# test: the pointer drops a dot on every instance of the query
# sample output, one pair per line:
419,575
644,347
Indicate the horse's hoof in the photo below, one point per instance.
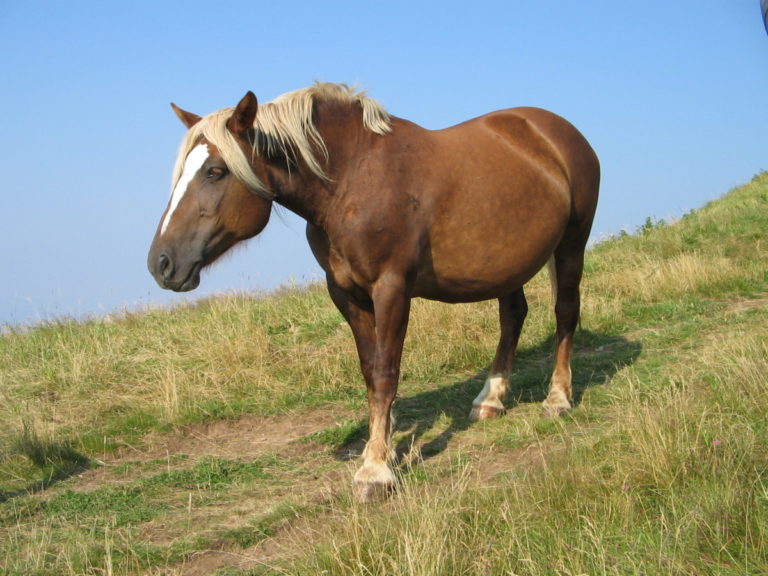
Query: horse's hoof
373,483
370,492
554,409
485,412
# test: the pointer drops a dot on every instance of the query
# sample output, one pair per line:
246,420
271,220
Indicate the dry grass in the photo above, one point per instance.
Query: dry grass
674,483
647,279
661,469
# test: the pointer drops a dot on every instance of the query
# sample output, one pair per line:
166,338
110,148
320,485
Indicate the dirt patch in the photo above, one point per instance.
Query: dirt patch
240,438
745,304
310,479
306,475
243,437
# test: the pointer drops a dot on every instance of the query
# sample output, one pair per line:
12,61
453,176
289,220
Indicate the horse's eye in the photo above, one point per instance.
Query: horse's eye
215,173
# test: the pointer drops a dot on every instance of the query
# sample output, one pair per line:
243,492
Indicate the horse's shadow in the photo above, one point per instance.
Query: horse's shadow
59,463
596,358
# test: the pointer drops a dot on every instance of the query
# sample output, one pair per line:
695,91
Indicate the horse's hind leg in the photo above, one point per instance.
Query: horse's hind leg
512,312
568,267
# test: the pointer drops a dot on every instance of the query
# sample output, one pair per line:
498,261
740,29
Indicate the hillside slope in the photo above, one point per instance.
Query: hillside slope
221,437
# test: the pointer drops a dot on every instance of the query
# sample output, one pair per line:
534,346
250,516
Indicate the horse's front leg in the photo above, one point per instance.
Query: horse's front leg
391,305
379,327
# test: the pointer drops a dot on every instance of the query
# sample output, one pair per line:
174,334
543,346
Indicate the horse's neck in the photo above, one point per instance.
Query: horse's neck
341,129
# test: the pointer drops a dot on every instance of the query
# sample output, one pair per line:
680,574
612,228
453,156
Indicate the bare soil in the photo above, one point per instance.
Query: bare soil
314,476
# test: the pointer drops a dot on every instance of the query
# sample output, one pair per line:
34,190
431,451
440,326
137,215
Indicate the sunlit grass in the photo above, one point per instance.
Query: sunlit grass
674,483
661,468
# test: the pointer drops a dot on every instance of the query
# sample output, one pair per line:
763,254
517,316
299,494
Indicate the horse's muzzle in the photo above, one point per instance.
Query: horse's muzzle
172,276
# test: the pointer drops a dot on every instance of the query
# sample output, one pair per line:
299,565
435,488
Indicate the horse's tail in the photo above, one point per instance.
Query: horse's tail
552,269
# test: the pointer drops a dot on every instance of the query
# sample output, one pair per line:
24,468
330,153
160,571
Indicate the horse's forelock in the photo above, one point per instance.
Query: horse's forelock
213,129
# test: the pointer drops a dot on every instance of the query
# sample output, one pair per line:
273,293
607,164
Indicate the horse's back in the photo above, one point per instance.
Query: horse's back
550,144
571,149
527,129
509,185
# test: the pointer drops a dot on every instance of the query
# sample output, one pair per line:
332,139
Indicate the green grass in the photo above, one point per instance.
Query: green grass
217,436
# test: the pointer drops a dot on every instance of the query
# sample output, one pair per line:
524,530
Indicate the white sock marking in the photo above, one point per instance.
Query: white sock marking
192,164
492,392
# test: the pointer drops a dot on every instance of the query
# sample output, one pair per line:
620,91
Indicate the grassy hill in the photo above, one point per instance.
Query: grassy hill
221,438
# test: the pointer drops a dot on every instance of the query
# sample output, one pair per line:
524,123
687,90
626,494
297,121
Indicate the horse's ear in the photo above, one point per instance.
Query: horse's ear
187,118
244,115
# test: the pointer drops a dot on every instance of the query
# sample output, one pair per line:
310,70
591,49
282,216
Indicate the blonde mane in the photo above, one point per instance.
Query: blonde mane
284,126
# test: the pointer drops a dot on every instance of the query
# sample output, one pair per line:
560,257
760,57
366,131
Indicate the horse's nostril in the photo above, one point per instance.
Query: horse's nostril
164,265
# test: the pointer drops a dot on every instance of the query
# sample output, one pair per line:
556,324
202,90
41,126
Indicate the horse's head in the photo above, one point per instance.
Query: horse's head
211,207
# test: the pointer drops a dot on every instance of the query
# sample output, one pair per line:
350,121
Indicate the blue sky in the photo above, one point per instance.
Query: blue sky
672,95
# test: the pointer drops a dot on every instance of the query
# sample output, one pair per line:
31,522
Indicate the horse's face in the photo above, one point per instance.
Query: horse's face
209,212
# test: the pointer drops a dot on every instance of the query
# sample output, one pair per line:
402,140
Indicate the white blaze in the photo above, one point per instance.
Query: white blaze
192,164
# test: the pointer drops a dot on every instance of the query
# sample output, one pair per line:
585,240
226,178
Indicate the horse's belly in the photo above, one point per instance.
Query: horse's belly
473,283
490,251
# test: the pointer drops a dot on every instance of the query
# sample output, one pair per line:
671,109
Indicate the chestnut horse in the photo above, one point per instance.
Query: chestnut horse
393,212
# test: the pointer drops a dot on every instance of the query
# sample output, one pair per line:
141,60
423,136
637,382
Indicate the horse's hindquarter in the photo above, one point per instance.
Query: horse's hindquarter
502,202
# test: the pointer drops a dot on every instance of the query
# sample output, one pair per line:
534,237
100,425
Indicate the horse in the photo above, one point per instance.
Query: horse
394,212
